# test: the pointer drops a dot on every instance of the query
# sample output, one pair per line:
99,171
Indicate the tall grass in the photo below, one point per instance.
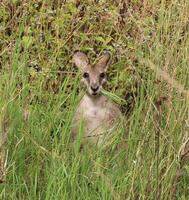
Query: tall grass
39,93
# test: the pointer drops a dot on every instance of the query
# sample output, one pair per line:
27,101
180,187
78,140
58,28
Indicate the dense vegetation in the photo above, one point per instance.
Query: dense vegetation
39,90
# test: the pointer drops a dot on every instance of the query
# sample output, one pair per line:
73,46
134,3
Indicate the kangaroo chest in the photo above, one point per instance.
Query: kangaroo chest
97,114
95,110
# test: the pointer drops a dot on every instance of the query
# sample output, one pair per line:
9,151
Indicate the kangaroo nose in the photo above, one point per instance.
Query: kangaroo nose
94,88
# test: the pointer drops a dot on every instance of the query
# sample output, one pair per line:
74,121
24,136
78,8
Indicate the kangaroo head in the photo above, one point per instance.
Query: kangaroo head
94,76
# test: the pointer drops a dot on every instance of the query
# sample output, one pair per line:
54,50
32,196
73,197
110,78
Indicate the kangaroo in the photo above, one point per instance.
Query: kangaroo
98,114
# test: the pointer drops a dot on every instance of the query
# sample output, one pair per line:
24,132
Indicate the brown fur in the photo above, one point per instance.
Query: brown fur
98,114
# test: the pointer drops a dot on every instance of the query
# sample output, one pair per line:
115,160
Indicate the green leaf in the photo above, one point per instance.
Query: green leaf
27,41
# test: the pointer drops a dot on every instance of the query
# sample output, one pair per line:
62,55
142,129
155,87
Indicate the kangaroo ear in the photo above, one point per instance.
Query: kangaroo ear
80,60
104,61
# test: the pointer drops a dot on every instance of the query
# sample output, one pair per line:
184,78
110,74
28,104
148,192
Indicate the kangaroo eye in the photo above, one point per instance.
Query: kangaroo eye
102,75
86,75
